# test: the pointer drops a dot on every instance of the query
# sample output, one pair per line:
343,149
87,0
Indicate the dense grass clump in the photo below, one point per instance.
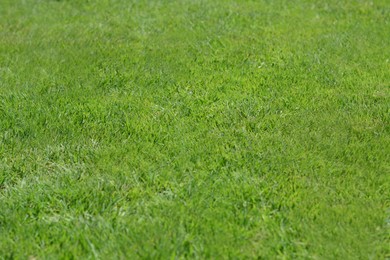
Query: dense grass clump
194,129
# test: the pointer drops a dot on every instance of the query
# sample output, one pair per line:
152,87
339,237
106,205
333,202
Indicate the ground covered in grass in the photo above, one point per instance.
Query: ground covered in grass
194,129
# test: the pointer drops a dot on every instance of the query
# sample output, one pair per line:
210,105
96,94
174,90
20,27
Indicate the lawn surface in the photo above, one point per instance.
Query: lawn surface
194,129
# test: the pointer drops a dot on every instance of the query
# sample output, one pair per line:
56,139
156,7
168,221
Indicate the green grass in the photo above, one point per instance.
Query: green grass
194,129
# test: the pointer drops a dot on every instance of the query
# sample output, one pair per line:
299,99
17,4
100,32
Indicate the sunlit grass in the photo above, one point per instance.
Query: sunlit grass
194,129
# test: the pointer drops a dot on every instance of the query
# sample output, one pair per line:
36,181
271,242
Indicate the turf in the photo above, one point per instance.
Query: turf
194,129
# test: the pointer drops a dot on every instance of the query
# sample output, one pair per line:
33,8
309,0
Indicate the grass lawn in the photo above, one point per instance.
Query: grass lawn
202,129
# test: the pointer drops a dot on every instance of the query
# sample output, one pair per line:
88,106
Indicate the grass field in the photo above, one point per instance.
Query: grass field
194,129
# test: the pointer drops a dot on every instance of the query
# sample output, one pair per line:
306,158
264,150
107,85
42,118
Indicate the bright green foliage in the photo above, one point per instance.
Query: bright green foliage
194,129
